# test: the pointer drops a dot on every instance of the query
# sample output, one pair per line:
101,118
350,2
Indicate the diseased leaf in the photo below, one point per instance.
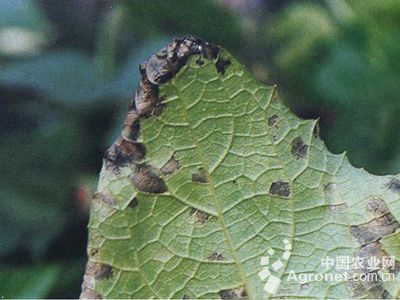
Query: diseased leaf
210,171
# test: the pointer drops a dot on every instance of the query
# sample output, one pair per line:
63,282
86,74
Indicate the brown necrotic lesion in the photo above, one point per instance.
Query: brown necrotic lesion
299,148
280,188
103,271
200,176
273,120
215,256
394,185
170,166
235,293
106,199
159,68
200,217
146,179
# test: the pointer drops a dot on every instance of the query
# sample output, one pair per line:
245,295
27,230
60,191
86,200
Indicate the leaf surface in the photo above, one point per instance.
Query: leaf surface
212,170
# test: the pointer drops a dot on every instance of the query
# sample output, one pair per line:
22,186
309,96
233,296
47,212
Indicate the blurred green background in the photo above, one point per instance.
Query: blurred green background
69,68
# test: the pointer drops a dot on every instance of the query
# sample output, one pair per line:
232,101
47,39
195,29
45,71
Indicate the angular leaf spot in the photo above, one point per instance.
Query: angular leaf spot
377,206
171,166
200,177
133,203
394,185
103,272
104,198
237,293
145,179
216,257
201,217
375,229
273,120
222,64
299,149
280,188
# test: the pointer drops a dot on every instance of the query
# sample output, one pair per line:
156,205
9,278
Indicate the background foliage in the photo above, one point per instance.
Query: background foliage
69,68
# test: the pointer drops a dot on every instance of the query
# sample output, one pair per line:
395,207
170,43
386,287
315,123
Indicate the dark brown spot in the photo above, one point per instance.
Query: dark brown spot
165,64
133,150
200,177
147,101
171,166
236,293
158,70
394,185
299,149
123,153
104,198
103,271
216,257
201,217
280,188
145,179
273,120
222,64
162,66
115,158
133,203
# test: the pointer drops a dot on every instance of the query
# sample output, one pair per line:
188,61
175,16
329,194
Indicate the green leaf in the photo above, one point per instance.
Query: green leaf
219,172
